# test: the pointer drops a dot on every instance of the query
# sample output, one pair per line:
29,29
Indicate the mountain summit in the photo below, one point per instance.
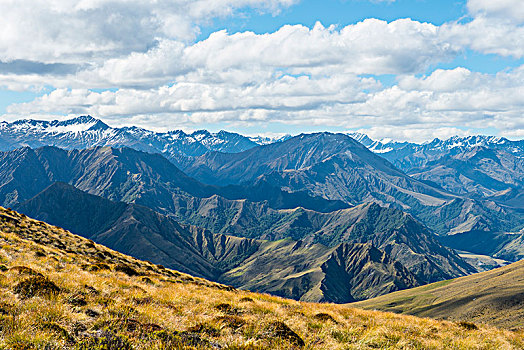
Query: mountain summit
86,131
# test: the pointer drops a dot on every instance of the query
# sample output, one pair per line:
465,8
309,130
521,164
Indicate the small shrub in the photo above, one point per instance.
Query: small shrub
243,347
91,290
181,340
247,300
163,335
324,317
226,308
344,336
203,328
96,267
92,313
233,322
223,287
148,328
88,267
105,340
187,279
314,327
280,330
3,268
102,266
130,326
6,308
124,312
57,330
36,286
128,270
78,327
468,325
20,341
77,300
40,254
24,270
147,280
143,300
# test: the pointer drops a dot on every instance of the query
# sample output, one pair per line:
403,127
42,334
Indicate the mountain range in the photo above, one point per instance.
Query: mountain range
336,167
148,180
477,166
86,131
320,273
316,217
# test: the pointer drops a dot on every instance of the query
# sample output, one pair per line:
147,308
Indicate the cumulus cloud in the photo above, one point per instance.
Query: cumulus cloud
70,31
368,47
436,103
282,93
487,35
320,76
505,10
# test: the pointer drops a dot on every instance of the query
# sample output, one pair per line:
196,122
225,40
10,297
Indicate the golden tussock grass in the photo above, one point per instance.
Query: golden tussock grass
60,291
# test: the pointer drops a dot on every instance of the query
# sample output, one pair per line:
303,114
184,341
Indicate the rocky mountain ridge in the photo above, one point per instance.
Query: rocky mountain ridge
86,132
336,167
242,262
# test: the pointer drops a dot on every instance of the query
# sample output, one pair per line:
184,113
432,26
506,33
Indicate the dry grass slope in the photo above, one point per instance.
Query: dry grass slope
60,291
494,297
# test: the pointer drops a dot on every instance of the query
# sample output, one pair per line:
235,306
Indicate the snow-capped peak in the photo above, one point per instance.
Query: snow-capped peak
76,125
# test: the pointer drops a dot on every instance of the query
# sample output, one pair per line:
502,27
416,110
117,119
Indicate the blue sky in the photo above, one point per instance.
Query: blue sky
341,13
404,69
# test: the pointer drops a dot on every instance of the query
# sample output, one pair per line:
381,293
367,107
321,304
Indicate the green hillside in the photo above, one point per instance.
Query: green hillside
493,297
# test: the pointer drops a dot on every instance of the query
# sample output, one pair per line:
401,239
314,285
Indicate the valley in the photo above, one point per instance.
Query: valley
327,219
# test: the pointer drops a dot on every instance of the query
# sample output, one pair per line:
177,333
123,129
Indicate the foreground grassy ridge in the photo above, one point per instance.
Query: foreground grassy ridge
494,297
70,293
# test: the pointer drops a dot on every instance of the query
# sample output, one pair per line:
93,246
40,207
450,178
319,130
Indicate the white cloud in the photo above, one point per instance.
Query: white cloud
368,47
487,35
281,93
295,75
73,31
502,9
416,108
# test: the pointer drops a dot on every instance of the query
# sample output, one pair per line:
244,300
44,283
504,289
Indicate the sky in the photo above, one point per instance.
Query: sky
399,69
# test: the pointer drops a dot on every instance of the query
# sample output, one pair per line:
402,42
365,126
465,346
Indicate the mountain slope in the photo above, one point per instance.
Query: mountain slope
127,175
142,233
476,165
479,171
500,245
347,272
86,296
494,297
150,180
390,230
321,155
336,167
128,228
